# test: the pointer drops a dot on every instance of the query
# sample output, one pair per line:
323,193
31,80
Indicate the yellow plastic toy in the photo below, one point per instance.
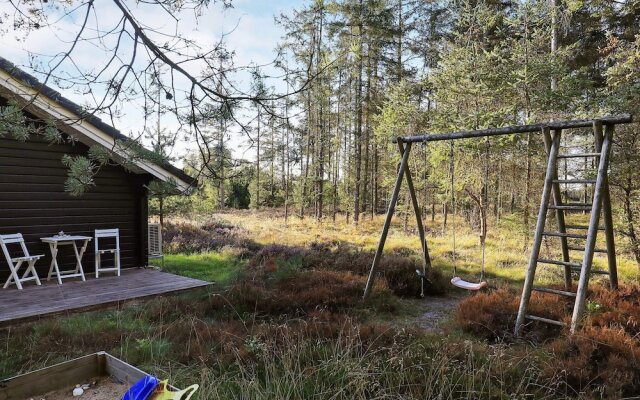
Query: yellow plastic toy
162,392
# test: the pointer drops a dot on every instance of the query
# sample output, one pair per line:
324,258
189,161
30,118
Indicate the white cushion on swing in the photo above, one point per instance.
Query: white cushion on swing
462,284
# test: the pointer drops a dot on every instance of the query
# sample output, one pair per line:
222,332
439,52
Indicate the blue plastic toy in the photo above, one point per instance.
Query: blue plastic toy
142,389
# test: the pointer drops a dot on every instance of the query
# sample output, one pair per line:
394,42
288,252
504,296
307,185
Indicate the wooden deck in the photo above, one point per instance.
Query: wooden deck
74,295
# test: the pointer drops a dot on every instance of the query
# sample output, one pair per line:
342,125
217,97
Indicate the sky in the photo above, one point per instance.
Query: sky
249,25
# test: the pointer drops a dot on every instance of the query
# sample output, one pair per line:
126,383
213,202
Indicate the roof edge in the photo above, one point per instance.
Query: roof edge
39,90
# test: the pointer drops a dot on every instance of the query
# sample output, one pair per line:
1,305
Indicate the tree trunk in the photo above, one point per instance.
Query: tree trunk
336,166
272,166
307,153
512,201
358,132
406,212
483,214
221,194
258,164
288,161
367,136
399,71
445,212
631,229
498,200
320,123
527,194
586,187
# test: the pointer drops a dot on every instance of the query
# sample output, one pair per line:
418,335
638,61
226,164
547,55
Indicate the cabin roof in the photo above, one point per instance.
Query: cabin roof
87,128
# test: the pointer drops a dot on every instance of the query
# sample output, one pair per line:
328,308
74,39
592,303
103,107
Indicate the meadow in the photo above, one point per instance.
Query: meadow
285,318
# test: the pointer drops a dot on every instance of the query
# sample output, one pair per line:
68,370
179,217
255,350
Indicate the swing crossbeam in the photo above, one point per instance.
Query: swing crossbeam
519,129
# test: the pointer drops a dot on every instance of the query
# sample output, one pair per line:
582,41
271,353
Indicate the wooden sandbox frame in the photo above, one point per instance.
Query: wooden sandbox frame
68,374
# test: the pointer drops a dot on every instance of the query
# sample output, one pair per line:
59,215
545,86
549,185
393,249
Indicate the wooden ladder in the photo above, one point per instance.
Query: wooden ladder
601,204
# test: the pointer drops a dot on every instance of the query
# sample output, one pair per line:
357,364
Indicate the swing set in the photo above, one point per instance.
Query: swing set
552,199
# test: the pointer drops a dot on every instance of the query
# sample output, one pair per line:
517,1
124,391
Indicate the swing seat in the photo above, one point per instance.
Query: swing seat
462,284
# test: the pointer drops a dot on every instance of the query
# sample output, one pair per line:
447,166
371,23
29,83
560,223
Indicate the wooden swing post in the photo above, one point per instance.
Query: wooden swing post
537,241
387,221
592,234
606,211
416,208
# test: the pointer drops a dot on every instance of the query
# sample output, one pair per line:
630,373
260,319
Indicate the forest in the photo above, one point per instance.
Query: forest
291,168
377,70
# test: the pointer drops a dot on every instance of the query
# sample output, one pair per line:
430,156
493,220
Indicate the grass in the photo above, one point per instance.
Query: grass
219,267
327,356
286,320
507,251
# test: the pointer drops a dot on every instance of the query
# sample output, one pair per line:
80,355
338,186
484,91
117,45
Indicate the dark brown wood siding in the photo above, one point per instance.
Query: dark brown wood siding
33,202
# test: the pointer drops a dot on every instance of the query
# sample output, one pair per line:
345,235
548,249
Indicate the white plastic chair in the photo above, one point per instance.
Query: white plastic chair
16,262
103,234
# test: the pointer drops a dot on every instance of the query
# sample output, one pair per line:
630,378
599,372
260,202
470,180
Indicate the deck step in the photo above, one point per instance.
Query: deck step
575,181
575,248
567,235
554,291
557,262
546,320
578,155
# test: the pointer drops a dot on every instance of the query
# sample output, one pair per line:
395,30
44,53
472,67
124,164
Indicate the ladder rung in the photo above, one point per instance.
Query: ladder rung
579,155
546,320
575,181
599,272
577,267
582,249
567,235
554,291
571,207
556,262
584,227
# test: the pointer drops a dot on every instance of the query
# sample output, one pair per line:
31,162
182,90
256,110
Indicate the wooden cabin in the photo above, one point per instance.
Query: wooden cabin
33,200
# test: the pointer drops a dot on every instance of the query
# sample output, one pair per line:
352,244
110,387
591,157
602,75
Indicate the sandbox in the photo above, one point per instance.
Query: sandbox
106,376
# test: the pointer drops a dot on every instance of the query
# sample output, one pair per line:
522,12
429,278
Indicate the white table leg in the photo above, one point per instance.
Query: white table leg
79,258
54,262
53,257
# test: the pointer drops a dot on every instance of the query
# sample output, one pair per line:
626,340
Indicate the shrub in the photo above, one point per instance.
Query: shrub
601,360
616,308
397,271
269,256
191,238
301,293
489,315
204,342
492,314
400,274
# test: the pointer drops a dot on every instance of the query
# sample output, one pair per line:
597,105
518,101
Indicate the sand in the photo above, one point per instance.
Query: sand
104,389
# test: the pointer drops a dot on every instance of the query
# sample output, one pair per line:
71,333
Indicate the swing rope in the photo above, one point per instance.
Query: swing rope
453,203
485,189
456,280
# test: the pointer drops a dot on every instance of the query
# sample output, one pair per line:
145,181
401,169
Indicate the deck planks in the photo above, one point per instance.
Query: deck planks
75,295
